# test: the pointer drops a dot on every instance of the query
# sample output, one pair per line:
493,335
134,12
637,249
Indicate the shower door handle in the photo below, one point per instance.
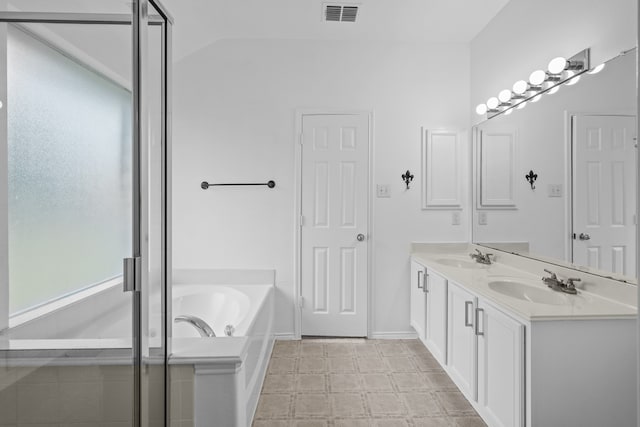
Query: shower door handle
132,274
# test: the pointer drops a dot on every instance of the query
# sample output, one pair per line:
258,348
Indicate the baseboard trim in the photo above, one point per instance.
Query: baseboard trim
285,336
407,335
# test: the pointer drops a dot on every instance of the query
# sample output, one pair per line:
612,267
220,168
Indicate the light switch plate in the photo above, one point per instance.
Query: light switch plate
383,190
555,190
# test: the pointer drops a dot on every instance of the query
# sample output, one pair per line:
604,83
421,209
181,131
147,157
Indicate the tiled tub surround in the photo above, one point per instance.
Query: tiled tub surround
571,363
359,383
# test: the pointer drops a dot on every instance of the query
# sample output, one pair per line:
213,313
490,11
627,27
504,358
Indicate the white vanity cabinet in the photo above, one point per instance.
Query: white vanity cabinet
429,309
486,357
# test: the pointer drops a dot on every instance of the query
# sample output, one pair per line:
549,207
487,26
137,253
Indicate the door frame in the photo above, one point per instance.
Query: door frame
569,178
297,263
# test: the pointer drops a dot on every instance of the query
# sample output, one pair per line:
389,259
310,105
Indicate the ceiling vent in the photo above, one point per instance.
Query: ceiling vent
340,13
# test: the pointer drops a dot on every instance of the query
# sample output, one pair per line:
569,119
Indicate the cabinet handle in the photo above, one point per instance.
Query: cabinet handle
478,333
420,284
466,313
426,283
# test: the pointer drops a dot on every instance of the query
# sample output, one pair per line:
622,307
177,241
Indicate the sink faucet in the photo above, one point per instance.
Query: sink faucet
556,284
203,327
481,258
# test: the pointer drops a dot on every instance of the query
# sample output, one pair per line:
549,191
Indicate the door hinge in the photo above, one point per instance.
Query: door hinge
301,139
132,274
301,220
301,302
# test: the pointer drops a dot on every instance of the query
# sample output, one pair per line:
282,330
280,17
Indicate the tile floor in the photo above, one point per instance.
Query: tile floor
358,382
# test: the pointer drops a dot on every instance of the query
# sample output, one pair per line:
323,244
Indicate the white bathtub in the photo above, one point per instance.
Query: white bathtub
228,371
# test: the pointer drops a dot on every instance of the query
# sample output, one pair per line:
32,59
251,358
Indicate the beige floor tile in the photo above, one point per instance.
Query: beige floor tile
347,404
286,349
408,381
274,406
454,403
366,351
352,422
390,422
311,383
282,365
279,383
433,422
339,350
310,423
341,365
311,405
421,404
426,363
308,365
440,381
400,364
469,422
392,348
344,382
385,404
371,364
312,349
376,382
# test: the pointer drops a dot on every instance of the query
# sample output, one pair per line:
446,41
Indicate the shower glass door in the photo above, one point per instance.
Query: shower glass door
83,155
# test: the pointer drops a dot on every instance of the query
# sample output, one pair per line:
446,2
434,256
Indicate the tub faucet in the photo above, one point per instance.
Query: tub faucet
481,258
203,327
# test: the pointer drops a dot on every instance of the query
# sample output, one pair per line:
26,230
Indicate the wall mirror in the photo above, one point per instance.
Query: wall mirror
579,145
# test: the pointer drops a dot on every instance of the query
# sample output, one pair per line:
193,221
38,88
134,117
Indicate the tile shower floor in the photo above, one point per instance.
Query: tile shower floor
359,382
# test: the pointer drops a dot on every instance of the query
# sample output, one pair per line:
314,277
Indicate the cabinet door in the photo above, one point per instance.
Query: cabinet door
461,339
436,328
417,295
500,367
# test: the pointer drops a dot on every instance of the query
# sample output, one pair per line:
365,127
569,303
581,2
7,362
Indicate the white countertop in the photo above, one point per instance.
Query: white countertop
584,305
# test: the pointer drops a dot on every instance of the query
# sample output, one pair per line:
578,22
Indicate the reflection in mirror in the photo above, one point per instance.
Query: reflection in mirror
581,144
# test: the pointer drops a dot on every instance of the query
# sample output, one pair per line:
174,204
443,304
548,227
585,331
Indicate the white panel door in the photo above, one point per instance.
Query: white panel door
334,248
461,340
500,367
604,199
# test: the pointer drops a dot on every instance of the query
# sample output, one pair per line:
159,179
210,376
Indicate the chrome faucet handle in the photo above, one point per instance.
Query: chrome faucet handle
553,275
479,251
571,282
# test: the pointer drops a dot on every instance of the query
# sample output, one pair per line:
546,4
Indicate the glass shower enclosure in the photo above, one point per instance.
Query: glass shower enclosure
84,217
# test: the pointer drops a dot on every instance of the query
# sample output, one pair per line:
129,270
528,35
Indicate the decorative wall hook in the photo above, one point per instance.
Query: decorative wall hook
531,177
407,178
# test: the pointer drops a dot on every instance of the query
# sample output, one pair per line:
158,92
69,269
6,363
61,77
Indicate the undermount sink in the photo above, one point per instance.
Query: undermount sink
522,291
460,263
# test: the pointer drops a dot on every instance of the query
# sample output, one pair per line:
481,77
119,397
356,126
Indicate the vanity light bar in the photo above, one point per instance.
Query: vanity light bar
559,71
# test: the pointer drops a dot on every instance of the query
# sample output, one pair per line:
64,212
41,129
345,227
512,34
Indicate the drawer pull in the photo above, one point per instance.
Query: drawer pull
420,283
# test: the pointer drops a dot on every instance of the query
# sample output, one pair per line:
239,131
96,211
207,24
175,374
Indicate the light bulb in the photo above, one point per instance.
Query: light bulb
504,95
536,98
481,109
493,103
537,77
597,69
520,87
553,90
522,105
557,65
509,111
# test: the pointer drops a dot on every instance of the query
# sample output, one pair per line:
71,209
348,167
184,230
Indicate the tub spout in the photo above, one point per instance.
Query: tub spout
203,327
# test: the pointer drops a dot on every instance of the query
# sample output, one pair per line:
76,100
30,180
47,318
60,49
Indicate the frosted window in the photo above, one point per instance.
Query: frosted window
69,146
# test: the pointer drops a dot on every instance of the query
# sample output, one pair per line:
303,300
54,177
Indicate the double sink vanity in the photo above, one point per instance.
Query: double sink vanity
526,351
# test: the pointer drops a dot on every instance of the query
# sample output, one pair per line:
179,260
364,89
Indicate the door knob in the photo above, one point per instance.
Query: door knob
584,236
360,237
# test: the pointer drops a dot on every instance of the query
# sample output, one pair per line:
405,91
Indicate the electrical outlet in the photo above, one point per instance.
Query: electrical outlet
555,190
455,218
383,190
482,218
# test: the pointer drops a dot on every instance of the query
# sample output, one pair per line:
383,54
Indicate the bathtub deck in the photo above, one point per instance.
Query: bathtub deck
360,382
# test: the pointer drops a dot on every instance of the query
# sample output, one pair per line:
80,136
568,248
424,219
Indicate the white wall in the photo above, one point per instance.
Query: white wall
525,35
234,120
